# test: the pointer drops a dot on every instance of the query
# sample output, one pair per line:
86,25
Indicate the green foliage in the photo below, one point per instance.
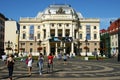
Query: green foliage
92,57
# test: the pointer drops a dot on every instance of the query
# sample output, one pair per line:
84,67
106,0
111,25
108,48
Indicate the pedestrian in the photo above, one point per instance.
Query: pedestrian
96,55
50,63
40,63
65,58
29,64
59,56
21,57
10,65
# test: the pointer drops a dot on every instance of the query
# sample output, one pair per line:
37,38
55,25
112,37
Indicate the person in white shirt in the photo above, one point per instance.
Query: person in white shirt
29,64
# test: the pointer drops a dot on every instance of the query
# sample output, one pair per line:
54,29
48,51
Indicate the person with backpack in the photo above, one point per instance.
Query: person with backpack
40,63
10,65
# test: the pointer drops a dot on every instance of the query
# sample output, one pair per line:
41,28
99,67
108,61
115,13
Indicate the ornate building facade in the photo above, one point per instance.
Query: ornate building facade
59,29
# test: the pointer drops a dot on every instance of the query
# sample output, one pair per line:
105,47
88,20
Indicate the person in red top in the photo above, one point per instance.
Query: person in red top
50,63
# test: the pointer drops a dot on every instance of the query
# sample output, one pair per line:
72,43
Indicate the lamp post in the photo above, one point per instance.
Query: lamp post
78,47
8,46
118,39
39,48
77,43
86,41
21,49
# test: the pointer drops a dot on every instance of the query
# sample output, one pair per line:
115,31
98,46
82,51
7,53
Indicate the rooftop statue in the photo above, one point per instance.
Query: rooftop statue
60,11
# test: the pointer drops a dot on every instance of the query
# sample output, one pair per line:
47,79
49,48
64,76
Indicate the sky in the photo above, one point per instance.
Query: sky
105,10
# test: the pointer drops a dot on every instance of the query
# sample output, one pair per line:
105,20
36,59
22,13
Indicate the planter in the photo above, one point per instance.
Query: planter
9,48
86,58
21,48
39,48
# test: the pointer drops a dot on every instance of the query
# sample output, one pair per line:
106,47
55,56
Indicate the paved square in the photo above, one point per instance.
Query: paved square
108,69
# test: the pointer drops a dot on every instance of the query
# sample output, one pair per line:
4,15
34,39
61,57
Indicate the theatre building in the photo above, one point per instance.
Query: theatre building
59,29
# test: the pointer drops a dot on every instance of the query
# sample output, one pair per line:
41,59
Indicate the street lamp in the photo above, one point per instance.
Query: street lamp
21,49
118,39
8,46
86,41
77,43
39,48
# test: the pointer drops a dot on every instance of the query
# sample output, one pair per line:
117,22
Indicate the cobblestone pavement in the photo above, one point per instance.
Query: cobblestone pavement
75,69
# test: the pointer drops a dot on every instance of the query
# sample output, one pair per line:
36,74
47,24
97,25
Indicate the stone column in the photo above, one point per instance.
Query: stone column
63,30
64,47
56,31
56,46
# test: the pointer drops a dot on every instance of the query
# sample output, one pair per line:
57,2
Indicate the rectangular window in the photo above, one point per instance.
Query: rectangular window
24,27
31,49
23,43
80,36
88,27
38,36
112,43
31,32
80,27
60,33
94,27
95,36
23,49
24,35
52,32
75,34
31,43
67,32
38,27
88,37
116,43
95,43
44,33
95,49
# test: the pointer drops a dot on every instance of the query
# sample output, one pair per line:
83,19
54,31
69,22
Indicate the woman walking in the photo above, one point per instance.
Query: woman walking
40,63
10,64
29,64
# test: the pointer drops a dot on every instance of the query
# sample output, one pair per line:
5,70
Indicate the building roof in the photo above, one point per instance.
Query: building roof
113,28
1,15
59,9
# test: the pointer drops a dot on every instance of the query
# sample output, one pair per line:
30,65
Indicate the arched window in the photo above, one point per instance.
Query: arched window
31,32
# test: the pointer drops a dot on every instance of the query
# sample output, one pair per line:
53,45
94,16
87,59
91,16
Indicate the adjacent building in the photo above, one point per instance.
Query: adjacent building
110,38
11,37
59,29
2,27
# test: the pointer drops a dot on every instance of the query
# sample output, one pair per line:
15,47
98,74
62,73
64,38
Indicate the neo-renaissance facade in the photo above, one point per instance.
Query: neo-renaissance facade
59,28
